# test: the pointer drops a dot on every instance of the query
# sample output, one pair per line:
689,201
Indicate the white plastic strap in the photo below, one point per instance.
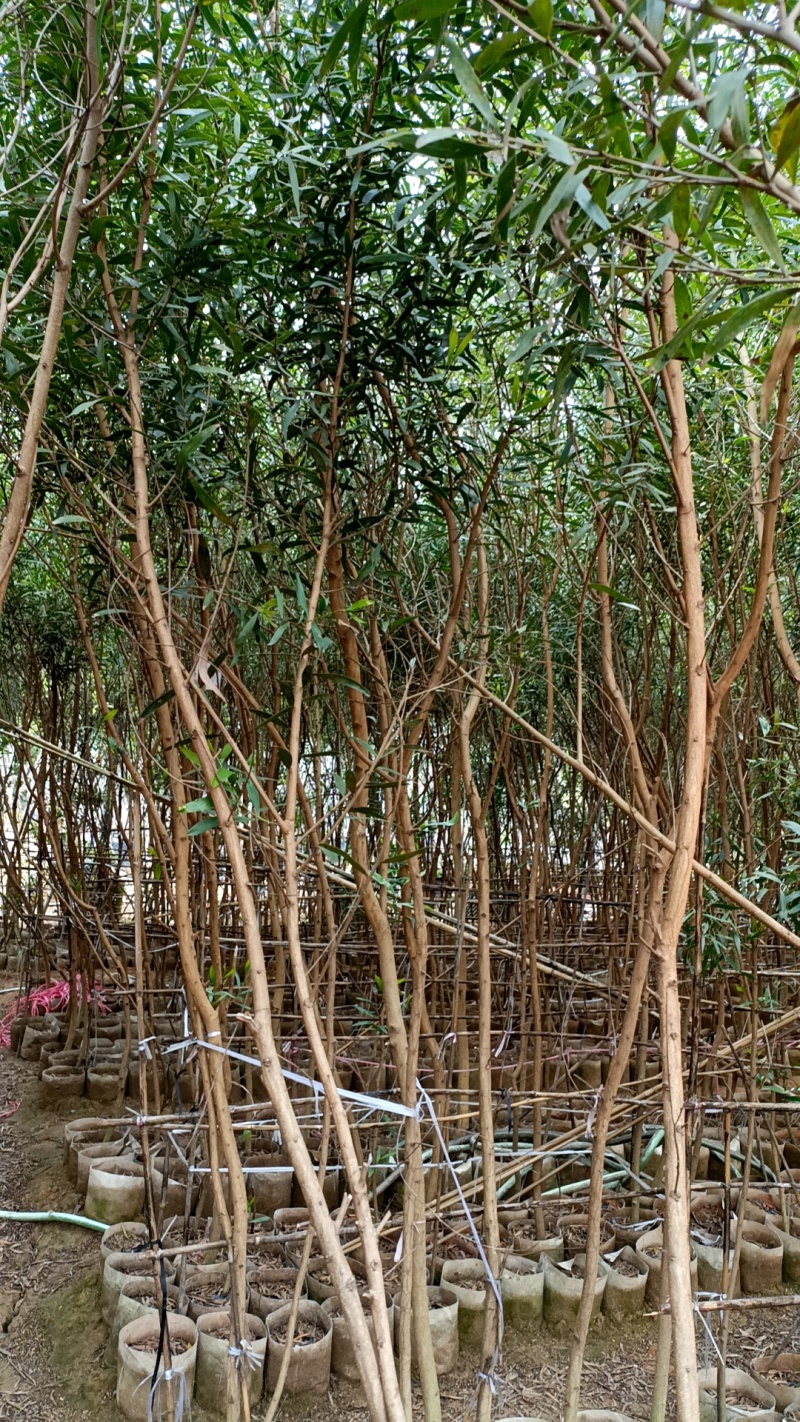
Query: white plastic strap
372,1103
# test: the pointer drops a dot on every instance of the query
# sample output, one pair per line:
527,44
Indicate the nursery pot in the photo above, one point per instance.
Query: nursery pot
761,1258
760,1406
103,1082
626,1229
573,1230
625,1285
786,1392
650,1248
123,1238
89,1155
271,1289
320,1282
268,1181
136,1361
343,1353
791,1250
443,1309
213,1341
599,1414
310,1360
563,1289
137,1297
117,1270
524,1242
266,1254
207,1288
115,1191
467,1279
522,1291
709,1268
61,1082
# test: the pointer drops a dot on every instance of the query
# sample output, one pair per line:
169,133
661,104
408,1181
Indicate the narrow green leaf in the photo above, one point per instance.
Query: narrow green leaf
341,37
209,823
421,9
355,39
192,444
681,208
198,807
561,196
762,228
741,317
294,184
789,140
668,132
154,705
470,83
505,193
541,13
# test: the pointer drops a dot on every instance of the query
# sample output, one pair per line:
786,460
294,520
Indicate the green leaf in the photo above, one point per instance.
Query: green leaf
421,9
444,143
742,317
654,17
678,54
787,132
541,13
561,196
761,226
668,132
354,22
727,96
681,208
192,444
198,807
505,193
294,184
729,321
470,83
585,200
556,147
355,38
495,51
209,823
154,705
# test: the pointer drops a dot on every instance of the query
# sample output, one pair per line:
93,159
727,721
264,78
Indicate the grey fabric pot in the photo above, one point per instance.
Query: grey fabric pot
59,1083
790,1240
761,1409
213,1342
761,1258
96,1151
310,1363
136,1361
123,1238
562,1291
343,1353
118,1269
625,1286
115,1191
467,1279
522,1291
207,1289
786,1394
271,1289
443,1319
137,1297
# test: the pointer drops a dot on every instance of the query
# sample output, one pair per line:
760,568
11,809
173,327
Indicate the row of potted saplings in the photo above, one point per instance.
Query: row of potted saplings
93,1064
198,1296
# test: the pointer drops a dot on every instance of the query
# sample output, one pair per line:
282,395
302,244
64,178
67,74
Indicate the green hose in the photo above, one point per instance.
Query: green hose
52,1217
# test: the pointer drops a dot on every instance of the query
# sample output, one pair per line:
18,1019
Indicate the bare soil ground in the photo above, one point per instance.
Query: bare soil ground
52,1339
